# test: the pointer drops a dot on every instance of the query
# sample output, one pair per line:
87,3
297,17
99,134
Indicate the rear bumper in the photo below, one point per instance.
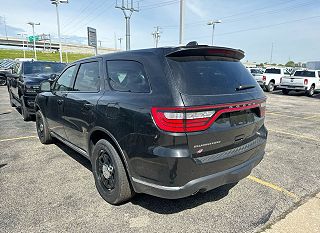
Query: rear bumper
293,87
173,173
201,184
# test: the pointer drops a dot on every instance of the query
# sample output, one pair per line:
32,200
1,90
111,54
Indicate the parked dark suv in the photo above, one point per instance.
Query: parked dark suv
169,122
23,84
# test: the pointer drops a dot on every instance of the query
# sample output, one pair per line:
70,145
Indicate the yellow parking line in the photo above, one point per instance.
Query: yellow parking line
274,187
18,138
311,117
295,135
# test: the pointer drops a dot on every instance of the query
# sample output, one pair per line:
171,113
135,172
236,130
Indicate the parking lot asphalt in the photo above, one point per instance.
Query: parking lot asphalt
50,188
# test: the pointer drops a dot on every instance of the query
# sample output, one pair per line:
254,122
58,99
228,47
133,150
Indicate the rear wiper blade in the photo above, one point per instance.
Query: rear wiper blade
244,87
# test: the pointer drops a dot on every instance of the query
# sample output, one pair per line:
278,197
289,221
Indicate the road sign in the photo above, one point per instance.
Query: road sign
30,38
92,37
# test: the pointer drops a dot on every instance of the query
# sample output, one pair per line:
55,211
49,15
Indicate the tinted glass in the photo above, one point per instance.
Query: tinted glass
305,73
88,77
210,76
273,71
42,67
255,71
65,79
127,76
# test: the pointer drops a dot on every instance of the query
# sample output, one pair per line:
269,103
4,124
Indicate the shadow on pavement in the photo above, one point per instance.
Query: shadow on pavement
295,93
74,155
156,204
167,206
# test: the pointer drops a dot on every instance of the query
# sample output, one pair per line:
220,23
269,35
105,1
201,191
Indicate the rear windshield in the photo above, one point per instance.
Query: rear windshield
42,67
210,76
305,73
273,71
256,71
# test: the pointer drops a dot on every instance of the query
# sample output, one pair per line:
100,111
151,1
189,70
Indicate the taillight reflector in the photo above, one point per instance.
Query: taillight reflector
305,82
264,78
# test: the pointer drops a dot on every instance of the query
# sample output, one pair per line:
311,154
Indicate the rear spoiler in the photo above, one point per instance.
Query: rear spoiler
207,51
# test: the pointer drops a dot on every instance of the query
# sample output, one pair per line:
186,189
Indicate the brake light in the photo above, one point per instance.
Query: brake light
192,119
305,82
264,78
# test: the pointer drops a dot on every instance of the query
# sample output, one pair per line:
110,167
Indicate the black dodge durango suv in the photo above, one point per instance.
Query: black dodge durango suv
169,122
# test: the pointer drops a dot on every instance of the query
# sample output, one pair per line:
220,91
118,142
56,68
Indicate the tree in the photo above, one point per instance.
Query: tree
290,64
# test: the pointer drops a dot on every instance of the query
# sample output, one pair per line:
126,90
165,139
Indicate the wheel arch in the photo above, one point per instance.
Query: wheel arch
98,133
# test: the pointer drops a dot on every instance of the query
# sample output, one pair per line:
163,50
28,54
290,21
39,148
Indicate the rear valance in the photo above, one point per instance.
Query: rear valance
208,51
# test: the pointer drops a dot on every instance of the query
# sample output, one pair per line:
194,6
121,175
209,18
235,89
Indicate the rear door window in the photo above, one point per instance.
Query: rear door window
127,76
305,73
273,71
88,79
210,76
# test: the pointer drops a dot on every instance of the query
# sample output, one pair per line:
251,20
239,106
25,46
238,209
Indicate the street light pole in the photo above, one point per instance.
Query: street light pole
22,36
57,2
34,38
181,30
213,23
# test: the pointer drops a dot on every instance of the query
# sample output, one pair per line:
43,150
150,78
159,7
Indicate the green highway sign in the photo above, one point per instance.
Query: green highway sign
30,38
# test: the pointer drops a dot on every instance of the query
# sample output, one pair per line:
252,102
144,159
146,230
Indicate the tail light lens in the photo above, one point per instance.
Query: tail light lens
192,119
264,78
262,108
305,82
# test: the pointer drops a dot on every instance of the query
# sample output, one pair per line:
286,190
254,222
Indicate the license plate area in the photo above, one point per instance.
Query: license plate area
241,118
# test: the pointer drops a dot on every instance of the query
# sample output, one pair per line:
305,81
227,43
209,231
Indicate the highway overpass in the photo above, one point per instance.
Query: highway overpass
72,48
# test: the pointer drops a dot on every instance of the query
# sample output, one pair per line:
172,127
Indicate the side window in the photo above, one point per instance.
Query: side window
319,74
65,79
127,76
88,77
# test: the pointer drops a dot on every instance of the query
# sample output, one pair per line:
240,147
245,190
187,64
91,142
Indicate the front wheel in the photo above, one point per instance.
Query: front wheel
270,87
24,111
43,129
109,174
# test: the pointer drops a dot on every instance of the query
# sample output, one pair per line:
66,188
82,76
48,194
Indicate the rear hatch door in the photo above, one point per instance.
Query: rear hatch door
218,83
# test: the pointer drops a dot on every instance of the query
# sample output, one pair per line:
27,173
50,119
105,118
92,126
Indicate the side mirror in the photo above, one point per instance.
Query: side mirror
53,77
45,86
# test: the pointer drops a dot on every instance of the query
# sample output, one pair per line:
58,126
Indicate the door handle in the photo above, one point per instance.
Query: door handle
88,106
60,101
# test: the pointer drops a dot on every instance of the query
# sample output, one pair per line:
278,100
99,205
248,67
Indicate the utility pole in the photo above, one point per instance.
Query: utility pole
120,39
100,41
34,38
5,26
115,41
213,23
271,53
181,31
57,2
156,36
127,10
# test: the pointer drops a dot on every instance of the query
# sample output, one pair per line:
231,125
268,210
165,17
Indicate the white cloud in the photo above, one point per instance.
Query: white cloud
196,8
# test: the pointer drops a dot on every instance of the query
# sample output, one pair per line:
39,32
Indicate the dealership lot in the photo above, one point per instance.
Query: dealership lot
51,188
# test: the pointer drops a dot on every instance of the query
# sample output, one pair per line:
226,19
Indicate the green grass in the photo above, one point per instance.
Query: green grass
41,56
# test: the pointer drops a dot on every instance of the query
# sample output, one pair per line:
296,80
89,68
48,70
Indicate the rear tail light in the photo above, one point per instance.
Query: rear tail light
192,119
262,108
264,78
305,82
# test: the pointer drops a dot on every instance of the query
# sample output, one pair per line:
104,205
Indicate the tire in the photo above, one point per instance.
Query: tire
10,97
270,87
3,81
109,174
24,112
310,92
285,91
43,129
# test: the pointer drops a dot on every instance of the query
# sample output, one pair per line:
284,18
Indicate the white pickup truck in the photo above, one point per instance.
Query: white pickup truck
270,79
302,80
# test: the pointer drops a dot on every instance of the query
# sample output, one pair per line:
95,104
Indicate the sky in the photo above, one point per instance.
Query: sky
291,27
